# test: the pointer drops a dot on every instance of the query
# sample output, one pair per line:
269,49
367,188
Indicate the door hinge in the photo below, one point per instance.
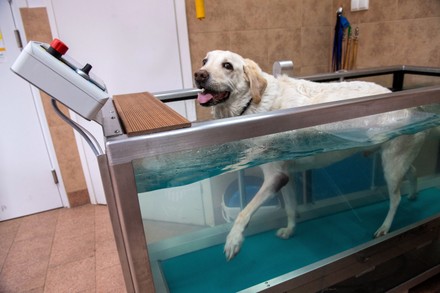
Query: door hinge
55,176
18,39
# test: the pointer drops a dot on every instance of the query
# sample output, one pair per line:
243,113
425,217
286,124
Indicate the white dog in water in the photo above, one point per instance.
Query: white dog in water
235,86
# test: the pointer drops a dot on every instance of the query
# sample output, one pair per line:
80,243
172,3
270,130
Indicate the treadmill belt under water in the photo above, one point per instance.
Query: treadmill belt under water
264,256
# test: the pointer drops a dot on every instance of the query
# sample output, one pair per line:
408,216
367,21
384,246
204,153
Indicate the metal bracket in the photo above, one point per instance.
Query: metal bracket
108,118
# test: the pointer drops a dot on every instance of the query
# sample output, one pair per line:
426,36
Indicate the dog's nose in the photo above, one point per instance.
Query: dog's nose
201,76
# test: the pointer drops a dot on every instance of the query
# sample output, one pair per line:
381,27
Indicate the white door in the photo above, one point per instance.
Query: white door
134,46
26,182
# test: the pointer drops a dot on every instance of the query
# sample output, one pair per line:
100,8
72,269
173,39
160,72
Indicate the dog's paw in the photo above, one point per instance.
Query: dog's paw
382,231
284,233
233,244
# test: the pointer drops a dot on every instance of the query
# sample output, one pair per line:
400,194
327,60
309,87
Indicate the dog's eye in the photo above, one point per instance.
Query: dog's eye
204,61
228,66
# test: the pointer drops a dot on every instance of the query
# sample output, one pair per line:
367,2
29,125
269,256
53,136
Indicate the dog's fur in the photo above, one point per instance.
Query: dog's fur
236,86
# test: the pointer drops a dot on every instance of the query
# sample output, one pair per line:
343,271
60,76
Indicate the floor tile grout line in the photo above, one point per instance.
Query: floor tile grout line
10,246
76,260
51,250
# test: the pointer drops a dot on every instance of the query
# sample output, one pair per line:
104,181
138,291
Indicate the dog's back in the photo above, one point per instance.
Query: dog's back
289,92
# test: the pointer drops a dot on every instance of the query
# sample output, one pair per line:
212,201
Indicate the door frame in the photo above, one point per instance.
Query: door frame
38,103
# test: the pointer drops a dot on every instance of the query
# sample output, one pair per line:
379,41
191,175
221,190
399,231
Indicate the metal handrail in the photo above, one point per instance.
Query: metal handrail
398,71
124,149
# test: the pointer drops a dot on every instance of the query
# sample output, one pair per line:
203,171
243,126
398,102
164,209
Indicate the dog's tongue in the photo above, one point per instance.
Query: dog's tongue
204,98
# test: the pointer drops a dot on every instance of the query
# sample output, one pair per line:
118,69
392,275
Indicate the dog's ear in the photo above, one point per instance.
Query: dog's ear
256,80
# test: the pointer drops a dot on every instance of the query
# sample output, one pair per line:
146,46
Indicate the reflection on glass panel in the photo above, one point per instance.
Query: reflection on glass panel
189,200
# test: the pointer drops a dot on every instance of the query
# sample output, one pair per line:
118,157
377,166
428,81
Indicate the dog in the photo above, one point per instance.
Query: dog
235,86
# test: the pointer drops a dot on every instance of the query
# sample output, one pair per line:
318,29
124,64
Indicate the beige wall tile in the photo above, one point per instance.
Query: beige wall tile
52,118
417,42
284,14
408,9
36,24
315,46
318,13
379,11
376,44
247,14
284,44
251,44
310,70
79,197
68,158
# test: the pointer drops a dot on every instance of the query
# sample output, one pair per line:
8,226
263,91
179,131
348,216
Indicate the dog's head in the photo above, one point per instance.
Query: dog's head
227,77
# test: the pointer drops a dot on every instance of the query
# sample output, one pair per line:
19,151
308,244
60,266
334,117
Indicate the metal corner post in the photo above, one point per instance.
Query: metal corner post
120,191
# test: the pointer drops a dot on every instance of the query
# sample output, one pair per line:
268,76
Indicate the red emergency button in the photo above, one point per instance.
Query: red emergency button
57,48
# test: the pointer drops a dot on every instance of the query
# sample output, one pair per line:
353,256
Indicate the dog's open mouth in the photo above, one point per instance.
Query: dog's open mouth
210,98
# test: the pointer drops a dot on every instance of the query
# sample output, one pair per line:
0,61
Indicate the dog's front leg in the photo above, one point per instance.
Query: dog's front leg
274,180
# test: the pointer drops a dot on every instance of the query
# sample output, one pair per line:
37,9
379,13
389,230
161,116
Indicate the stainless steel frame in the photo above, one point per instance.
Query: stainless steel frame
119,179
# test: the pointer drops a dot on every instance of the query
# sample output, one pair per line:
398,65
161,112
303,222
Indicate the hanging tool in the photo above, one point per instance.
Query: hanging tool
355,48
341,24
348,49
200,9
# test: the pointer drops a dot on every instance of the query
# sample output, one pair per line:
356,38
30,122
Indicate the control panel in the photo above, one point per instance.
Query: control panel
49,68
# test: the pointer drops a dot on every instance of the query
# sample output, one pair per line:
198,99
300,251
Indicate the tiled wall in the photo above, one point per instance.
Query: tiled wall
391,32
398,32
36,25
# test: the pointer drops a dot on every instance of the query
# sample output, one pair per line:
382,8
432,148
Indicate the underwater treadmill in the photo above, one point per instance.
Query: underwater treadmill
158,183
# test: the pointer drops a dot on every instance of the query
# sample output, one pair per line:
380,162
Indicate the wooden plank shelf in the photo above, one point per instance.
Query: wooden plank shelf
142,113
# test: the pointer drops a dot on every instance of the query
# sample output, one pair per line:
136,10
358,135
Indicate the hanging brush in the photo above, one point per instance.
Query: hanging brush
355,48
348,49
341,24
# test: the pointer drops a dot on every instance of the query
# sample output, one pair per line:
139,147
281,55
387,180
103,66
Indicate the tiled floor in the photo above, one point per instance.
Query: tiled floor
73,250
64,250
